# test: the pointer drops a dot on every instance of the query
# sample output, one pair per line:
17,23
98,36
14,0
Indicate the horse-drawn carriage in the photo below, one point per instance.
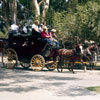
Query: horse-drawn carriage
26,50
30,51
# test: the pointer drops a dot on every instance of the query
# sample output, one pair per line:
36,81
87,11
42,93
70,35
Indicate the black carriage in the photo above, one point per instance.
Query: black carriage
28,51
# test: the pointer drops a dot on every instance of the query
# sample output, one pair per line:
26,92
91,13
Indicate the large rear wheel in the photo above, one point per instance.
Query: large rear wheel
37,62
9,58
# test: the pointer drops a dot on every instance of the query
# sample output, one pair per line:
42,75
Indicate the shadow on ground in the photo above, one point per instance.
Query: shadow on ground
21,80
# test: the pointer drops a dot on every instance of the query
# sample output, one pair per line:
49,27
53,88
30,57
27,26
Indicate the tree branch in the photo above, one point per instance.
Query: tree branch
41,2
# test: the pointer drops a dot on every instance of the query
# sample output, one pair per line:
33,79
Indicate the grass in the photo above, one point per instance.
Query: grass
95,89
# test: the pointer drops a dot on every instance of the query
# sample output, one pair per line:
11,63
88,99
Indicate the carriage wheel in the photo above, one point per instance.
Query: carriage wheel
9,58
52,67
37,62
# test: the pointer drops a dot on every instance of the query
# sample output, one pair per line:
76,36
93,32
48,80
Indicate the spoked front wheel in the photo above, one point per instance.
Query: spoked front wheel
37,62
9,58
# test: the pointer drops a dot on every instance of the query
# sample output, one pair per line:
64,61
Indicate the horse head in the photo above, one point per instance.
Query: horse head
79,49
93,49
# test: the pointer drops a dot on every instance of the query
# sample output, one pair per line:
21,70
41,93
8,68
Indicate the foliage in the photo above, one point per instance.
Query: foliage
82,23
75,20
5,34
96,89
58,6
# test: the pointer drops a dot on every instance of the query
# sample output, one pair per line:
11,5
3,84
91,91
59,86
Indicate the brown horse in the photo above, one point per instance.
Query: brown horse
89,53
72,55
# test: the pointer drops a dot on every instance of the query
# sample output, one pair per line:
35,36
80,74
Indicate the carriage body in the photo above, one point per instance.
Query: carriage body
25,50
25,46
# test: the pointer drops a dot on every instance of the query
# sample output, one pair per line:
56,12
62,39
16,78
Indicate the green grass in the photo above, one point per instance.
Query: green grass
95,89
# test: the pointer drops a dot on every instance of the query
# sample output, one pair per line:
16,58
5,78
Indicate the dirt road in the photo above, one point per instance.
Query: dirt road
21,84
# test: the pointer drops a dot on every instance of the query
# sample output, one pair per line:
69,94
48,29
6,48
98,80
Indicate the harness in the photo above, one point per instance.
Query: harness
76,53
89,54
88,51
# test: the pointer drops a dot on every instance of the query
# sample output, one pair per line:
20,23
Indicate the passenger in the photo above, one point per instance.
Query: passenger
24,31
35,26
44,24
41,26
14,29
53,31
46,36
35,30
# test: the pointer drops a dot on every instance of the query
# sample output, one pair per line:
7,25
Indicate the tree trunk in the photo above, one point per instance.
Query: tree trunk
13,10
45,9
37,8
6,15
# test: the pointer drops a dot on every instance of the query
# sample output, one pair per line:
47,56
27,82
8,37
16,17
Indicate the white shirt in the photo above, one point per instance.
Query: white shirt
25,29
35,27
40,29
14,27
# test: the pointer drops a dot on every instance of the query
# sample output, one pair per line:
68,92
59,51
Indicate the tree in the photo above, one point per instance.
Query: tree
37,6
10,12
13,10
82,23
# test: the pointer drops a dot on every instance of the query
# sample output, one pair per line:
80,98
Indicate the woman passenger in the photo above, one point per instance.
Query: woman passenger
46,36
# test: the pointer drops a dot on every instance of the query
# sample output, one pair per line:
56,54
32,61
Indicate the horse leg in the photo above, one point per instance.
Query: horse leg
91,63
90,60
60,63
72,67
84,66
69,67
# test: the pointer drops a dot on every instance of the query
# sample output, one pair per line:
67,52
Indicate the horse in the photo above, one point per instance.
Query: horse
89,53
71,55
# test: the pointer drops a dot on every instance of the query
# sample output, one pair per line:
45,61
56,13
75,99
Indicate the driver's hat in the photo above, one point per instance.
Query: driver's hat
53,30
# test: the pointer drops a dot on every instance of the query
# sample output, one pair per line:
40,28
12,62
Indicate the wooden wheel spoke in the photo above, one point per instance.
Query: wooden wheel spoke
37,62
9,58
